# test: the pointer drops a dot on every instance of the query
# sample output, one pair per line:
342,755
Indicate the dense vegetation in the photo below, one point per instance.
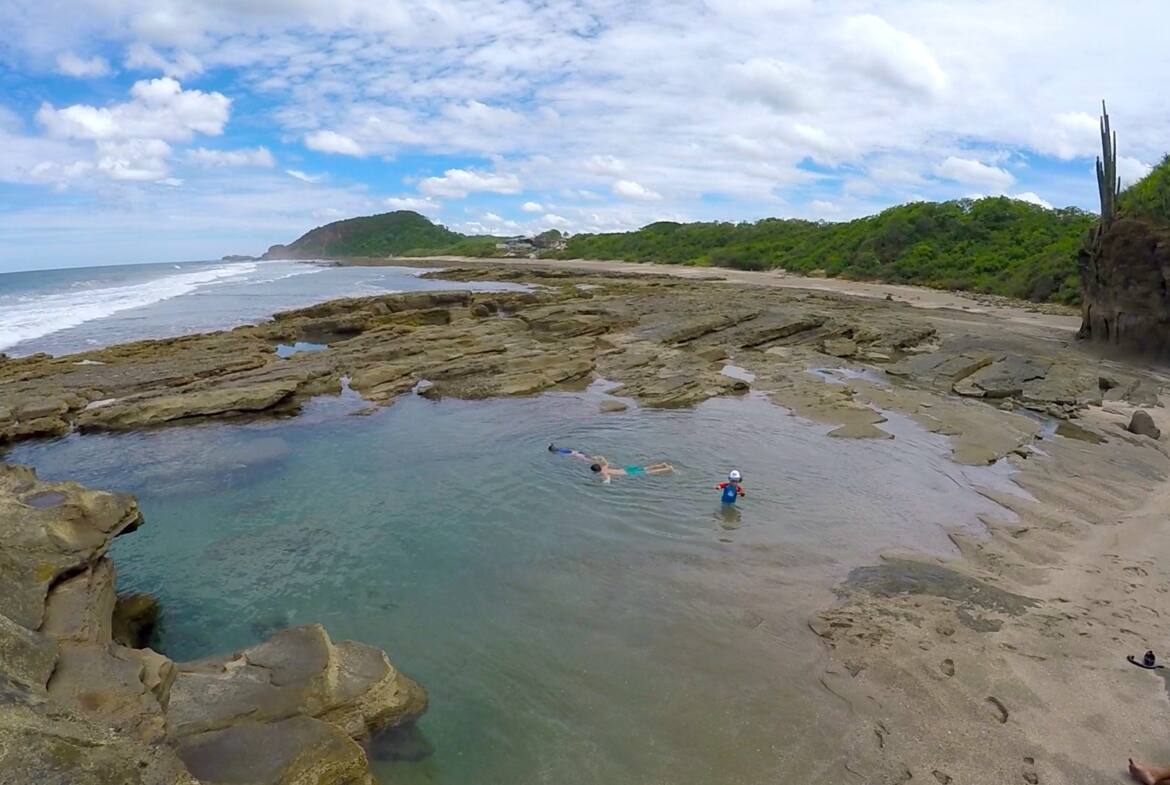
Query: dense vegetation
386,234
995,245
1149,197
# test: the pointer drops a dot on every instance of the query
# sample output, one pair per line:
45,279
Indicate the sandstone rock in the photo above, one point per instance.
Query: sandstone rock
295,751
26,657
608,406
135,616
80,608
42,745
90,680
1143,424
767,334
297,671
50,529
129,413
839,347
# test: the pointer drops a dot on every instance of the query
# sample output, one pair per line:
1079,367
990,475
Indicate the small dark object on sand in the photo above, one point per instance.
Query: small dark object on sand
1149,661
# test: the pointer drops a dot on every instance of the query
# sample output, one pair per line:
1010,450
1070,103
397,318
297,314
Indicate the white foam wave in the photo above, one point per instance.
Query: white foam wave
30,318
293,274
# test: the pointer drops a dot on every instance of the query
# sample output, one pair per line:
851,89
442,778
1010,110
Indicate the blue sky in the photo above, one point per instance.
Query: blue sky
158,130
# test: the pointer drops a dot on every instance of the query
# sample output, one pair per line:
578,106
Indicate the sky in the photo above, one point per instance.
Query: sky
165,130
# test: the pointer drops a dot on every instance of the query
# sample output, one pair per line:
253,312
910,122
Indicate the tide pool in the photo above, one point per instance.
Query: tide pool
568,631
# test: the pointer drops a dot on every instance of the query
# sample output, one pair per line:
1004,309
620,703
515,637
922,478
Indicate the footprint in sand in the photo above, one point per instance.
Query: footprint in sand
948,667
1001,710
942,777
1030,775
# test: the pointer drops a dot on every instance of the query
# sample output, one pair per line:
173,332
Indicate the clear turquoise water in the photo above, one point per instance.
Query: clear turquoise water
568,631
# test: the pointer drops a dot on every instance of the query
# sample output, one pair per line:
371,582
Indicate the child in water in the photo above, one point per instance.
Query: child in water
732,490
568,452
608,472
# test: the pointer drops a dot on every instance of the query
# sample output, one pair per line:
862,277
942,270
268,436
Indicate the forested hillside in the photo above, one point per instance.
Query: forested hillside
994,245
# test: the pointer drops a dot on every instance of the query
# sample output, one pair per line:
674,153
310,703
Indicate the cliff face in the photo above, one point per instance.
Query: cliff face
1125,268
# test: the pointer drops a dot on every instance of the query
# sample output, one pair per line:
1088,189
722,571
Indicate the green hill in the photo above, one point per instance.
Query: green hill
1150,196
994,245
386,234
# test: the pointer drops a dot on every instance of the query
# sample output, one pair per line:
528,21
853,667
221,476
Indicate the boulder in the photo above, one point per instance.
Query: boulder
1142,424
299,671
610,406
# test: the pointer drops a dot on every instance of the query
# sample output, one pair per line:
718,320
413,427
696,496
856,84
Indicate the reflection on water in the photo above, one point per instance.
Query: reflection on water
568,631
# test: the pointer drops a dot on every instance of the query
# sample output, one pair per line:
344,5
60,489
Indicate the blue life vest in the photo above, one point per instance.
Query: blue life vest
730,493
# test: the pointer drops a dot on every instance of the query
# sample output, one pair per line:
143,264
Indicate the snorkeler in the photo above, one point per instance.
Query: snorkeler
569,453
732,489
608,472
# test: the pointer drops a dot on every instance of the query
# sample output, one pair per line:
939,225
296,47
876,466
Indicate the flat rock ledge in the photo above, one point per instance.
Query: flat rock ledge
79,706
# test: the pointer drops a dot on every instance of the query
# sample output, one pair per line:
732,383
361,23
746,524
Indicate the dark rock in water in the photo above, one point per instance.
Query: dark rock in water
1143,424
1125,277
135,619
404,743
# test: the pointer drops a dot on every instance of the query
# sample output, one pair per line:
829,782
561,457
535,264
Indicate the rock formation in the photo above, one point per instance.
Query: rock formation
1125,263
1125,275
81,706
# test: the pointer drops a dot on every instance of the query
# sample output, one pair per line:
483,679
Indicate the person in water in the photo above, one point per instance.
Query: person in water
602,467
568,453
732,489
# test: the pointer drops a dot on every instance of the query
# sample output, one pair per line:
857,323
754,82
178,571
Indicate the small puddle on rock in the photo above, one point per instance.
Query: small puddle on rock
286,350
48,499
1072,431
843,375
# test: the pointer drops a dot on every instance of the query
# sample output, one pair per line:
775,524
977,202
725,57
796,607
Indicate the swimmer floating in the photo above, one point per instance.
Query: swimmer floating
732,489
608,472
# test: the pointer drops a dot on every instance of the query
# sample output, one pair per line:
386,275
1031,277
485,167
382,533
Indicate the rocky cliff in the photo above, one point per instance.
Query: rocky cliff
83,705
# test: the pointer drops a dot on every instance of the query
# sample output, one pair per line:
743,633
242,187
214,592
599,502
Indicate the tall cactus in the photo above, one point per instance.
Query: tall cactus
1108,183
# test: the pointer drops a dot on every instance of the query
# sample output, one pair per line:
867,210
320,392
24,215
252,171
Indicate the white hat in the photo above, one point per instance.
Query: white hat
735,476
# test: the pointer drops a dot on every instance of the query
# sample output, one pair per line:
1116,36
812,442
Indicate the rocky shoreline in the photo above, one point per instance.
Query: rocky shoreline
85,701
666,341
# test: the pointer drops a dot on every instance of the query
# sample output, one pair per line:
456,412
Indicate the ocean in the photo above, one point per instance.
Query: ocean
64,311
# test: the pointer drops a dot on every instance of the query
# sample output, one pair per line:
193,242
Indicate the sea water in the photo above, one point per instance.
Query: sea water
568,631
62,311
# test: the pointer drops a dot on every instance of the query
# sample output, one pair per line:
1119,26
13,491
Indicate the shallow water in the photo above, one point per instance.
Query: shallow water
568,631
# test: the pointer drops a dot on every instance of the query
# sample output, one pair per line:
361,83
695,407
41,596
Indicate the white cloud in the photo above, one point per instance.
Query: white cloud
304,177
972,172
333,142
554,220
159,109
774,82
1033,198
633,190
823,207
141,56
605,164
413,203
71,65
532,207
457,183
134,159
1130,170
258,156
879,50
